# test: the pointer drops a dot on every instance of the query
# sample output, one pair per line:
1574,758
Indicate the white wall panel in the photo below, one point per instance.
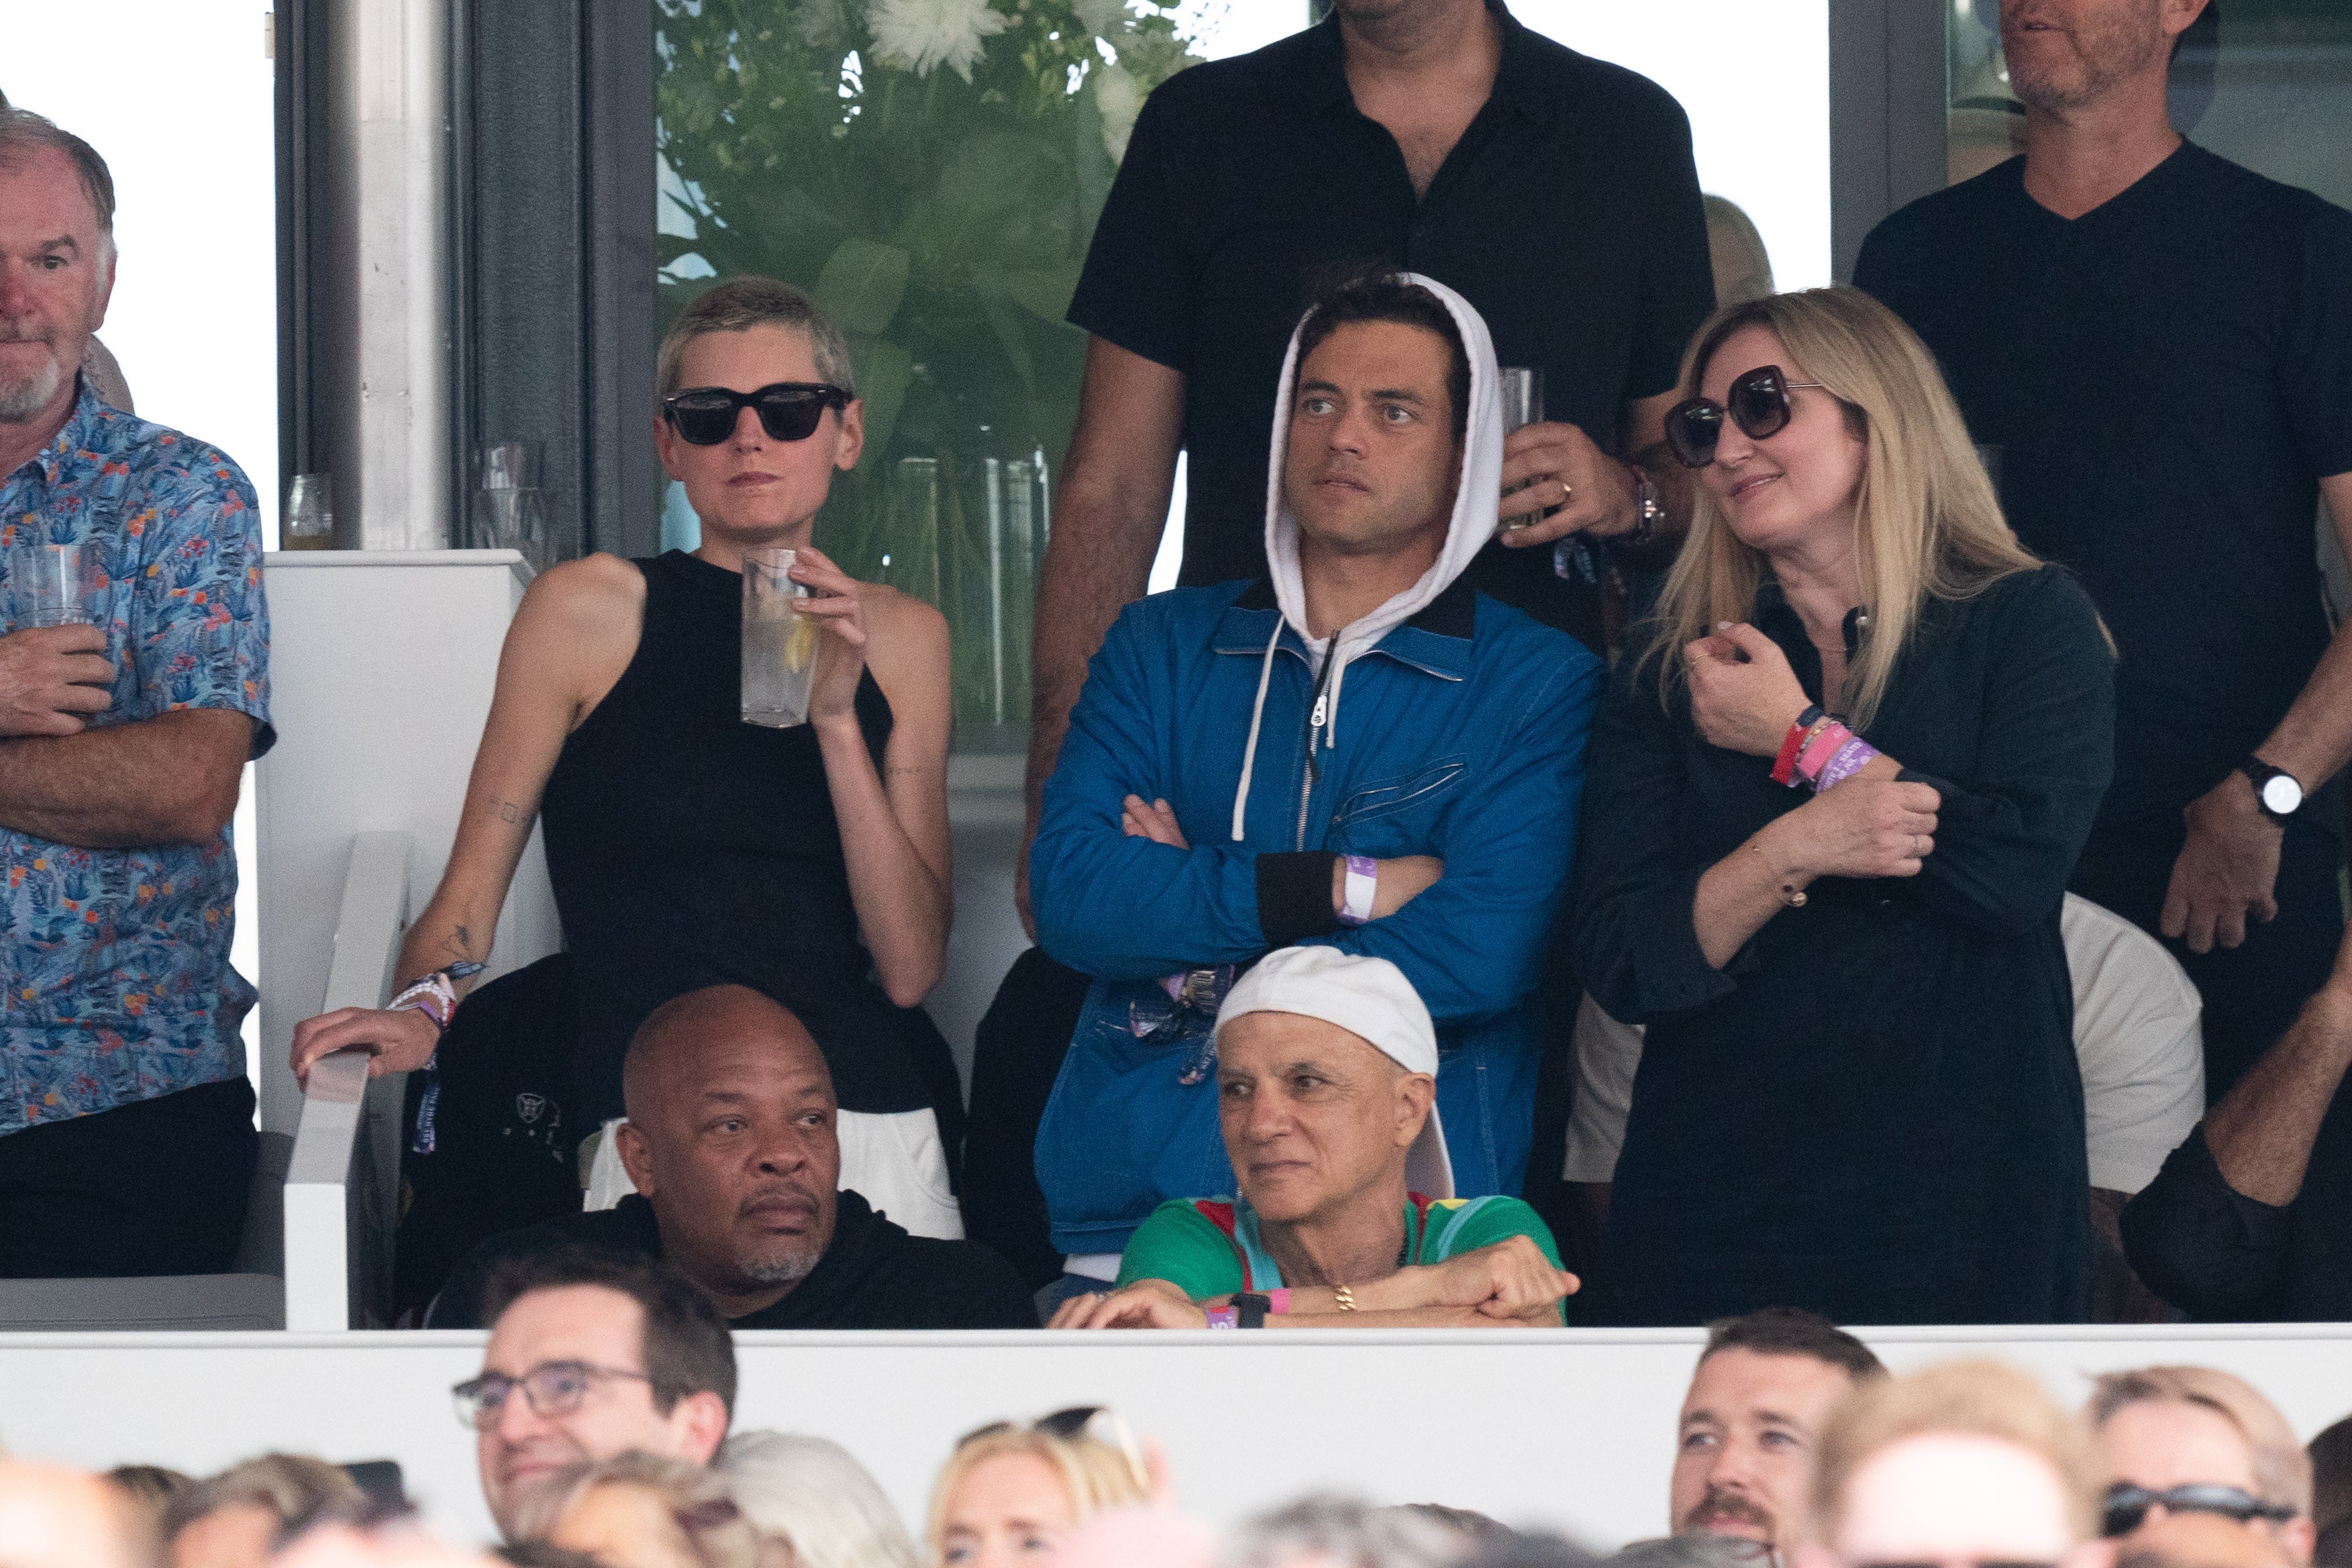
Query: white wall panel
1572,1428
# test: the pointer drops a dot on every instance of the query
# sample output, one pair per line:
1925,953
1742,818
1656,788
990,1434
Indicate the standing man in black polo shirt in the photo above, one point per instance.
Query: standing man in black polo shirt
2158,343
1556,193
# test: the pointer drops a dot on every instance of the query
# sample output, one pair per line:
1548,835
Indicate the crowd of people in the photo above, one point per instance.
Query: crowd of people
1840,814
603,1410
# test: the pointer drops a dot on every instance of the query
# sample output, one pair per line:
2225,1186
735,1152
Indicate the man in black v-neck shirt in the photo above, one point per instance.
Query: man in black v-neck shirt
1555,192
2157,344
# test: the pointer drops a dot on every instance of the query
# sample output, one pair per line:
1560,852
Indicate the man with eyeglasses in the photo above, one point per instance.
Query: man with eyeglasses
1967,1465
2194,1441
591,1356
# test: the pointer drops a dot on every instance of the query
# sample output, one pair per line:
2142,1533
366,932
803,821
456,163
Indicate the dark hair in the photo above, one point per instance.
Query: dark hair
22,131
688,1349
1376,291
1792,1331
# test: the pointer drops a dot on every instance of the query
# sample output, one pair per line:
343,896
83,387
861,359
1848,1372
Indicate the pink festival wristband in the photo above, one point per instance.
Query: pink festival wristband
1850,759
1818,751
1279,1302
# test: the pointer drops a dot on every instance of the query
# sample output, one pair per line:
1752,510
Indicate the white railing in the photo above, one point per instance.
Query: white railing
343,1182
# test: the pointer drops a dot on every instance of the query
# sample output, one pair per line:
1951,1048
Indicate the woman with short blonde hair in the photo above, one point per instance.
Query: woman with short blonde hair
1831,808
1008,1494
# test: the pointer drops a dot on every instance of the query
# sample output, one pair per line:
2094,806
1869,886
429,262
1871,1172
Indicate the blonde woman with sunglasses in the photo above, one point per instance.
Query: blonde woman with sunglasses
1833,800
1009,1494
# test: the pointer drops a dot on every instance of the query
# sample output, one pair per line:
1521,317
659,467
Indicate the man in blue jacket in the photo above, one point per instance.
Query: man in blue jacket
1368,752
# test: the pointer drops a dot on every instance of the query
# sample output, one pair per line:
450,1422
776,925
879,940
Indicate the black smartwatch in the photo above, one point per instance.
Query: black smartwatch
1252,1309
2278,792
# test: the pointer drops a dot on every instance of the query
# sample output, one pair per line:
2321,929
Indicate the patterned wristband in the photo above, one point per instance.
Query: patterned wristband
1224,1318
1850,759
431,995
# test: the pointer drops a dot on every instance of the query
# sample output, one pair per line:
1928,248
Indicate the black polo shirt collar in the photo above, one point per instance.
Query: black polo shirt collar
1324,84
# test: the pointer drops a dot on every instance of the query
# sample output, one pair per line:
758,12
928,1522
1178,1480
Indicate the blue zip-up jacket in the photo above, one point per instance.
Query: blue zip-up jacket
1464,738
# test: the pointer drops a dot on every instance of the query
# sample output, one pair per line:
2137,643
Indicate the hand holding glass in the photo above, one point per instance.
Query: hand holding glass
779,644
45,583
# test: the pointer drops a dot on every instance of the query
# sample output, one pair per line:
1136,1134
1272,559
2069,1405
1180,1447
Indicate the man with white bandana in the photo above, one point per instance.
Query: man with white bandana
1360,751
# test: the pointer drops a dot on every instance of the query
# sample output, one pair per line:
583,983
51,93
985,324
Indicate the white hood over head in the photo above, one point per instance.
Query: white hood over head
1471,524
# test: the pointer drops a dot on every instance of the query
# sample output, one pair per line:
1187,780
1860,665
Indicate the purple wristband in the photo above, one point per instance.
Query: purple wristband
1361,885
1850,759
1225,1317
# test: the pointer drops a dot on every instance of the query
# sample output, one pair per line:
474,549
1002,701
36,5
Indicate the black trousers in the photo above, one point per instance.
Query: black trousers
2252,992
154,1187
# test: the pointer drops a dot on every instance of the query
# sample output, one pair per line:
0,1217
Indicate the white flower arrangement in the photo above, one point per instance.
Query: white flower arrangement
919,35
1121,99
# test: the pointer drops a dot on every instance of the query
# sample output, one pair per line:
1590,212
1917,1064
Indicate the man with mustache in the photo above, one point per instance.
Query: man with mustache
1743,1451
131,694
732,1142
2157,343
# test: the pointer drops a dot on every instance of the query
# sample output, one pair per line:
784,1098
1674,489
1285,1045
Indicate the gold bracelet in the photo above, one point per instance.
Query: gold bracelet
1346,1298
1791,894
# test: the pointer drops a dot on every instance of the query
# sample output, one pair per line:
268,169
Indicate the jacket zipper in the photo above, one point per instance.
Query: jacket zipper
1315,722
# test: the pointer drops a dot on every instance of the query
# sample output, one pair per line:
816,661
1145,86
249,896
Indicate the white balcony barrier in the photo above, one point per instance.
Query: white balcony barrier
1575,1429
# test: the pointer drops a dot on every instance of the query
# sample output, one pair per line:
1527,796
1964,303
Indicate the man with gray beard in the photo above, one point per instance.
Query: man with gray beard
134,686
733,1144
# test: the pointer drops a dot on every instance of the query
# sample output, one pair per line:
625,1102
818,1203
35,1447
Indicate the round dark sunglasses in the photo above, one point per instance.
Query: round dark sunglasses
2127,1505
789,411
1757,404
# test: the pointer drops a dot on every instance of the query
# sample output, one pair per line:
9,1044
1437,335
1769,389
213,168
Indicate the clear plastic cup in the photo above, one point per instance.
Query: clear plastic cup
779,643
47,585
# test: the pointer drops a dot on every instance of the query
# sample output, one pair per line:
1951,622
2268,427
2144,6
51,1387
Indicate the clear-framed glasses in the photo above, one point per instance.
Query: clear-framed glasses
551,1388
1094,1422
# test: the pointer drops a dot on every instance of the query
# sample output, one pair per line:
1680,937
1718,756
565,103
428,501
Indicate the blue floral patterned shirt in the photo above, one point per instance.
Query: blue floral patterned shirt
115,962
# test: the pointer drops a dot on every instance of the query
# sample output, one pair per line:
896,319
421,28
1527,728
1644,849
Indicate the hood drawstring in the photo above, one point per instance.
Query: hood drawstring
1257,716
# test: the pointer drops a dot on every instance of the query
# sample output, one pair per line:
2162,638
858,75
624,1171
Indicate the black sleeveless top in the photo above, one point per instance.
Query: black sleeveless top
690,849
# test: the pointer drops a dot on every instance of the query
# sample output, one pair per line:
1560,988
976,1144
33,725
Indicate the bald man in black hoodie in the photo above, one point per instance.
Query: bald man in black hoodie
732,1144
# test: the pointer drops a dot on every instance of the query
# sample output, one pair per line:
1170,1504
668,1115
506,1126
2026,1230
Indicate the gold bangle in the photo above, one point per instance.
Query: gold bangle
1346,1298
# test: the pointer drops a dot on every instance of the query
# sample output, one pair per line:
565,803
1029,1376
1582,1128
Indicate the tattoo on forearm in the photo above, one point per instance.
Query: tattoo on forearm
461,943
504,810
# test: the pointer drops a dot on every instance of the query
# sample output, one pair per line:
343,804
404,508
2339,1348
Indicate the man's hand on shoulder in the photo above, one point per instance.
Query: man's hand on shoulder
51,677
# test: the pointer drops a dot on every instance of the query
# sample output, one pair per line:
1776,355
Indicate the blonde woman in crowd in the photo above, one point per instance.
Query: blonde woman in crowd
810,1493
1832,804
1009,1494
642,1512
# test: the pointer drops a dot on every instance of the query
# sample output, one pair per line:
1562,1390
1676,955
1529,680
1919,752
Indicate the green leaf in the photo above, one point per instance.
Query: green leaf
1042,291
862,284
884,370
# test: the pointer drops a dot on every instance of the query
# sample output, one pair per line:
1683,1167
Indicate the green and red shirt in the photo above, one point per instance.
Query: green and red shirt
1209,1247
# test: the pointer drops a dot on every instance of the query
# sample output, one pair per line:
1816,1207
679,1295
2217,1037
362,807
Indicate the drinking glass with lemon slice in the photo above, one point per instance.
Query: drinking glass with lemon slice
779,643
